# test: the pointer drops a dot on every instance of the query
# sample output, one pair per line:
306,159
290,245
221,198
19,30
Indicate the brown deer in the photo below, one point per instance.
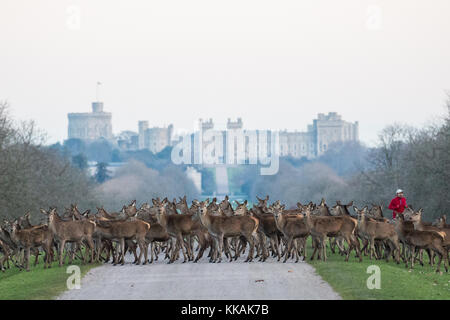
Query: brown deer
157,233
197,230
377,230
441,222
178,226
24,223
416,218
322,227
5,250
13,248
415,239
226,207
125,231
376,212
220,227
34,237
292,228
268,228
70,231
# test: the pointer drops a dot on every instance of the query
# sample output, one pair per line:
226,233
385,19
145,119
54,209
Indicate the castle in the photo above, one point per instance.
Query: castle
324,130
90,126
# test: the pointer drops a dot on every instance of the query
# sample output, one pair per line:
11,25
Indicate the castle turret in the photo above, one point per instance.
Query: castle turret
97,107
90,125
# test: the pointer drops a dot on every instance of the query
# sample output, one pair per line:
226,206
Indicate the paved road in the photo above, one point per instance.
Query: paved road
203,280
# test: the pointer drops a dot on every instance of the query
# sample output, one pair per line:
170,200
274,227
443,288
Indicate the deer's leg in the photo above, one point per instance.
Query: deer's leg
372,247
277,247
90,245
446,262
288,249
62,244
315,245
122,251
220,249
27,258
183,249
36,256
201,246
151,251
251,243
440,252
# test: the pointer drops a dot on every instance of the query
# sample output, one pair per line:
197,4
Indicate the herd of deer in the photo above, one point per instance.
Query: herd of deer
170,227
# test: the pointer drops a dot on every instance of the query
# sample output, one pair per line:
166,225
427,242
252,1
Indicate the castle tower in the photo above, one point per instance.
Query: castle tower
142,128
90,125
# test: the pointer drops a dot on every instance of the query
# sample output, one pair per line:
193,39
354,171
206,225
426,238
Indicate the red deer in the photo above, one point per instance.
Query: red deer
220,227
377,230
322,227
125,230
267,227
292,228
34,237
416,239
178,226
70,231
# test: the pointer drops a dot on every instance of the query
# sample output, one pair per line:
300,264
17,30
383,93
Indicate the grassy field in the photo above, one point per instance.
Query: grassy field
349,279
37,284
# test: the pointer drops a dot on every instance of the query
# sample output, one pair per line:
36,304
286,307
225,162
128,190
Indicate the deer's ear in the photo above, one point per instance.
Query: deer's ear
43,211
282,207
195,201
237,202
207,201
355,208
259,199
245,202
267,198
154,202
226,197
133,204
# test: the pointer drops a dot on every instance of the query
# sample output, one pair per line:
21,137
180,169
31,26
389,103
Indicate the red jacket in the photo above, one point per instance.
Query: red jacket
397,205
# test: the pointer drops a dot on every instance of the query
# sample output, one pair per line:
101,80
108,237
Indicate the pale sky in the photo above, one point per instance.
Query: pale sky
274,63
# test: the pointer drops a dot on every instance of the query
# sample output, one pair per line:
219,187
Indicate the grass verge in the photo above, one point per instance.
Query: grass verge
349,279
38,283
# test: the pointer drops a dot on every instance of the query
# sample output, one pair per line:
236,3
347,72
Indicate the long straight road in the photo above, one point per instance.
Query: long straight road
195,281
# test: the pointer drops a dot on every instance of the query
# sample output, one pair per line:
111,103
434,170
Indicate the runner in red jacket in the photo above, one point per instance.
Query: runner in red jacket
398,204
